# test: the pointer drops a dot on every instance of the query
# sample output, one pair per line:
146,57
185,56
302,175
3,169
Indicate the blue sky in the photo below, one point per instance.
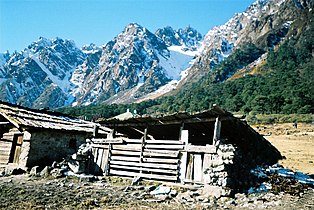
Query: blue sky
99,21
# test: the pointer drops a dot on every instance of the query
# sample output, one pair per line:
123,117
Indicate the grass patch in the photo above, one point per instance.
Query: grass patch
254,119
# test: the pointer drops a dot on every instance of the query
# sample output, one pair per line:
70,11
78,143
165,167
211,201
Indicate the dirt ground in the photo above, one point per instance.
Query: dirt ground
296,144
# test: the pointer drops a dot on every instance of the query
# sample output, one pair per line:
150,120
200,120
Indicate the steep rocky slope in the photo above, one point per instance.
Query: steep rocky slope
54,73
264,24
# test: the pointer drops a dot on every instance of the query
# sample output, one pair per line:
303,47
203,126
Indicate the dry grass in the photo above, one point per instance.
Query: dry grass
296,144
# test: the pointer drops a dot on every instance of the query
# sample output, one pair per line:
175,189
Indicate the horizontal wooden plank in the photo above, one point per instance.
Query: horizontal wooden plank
161,160
156,146
5,146
164,142
101,146
5,151
149,176
108,141
148,165
148,160
6,139
125,158
4,160
160,153
133,141
128,147
201,149
131,153
135,168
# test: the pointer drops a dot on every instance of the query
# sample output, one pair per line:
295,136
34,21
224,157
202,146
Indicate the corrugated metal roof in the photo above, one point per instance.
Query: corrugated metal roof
25,117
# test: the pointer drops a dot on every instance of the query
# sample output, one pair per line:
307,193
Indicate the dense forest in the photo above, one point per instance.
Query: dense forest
283,83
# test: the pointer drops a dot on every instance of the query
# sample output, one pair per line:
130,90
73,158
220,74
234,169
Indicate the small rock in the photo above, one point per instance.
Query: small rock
138,187
34,171
161,197
186,196
54,164
143,195
57,173
195,193
45,171
173,193
135,194
161,190
150,188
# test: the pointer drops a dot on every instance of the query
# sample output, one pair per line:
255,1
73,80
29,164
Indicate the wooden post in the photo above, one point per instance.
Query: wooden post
107,154
107,168
183,161
142,146
217,131
180,134
95,132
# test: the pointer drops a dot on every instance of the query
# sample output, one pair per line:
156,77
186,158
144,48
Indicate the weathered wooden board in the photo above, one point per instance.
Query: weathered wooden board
128,147
133,141
104,160
198,168
107,141
156,146
201,149
184,135
135,168
164,142
190,165
161,153
148,165
149,176
100,146
161,160
130,153
99,157
125,158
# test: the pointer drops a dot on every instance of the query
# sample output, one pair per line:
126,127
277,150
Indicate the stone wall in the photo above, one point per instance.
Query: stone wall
217,172
46,146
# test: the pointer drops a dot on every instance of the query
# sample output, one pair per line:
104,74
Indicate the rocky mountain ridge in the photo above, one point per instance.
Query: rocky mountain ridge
138,65
54,73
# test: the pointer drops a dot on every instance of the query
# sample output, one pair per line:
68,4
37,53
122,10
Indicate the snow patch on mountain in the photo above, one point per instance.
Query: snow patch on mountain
64,84
176,63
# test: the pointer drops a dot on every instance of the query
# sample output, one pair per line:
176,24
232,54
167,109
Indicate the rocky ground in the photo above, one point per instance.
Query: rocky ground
24,192
56,192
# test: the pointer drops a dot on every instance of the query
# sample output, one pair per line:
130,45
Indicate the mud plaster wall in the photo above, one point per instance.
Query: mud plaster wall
47,146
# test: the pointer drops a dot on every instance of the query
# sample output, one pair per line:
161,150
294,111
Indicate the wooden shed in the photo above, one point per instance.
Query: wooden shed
211,147
37,137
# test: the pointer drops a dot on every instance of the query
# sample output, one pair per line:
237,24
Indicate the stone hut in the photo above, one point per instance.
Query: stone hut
37,137
210,148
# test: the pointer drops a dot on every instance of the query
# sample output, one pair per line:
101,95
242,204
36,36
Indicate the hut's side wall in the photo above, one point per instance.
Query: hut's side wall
47,146
5,146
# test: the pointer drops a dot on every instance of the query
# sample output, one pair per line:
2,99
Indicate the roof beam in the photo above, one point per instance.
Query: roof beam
165,122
